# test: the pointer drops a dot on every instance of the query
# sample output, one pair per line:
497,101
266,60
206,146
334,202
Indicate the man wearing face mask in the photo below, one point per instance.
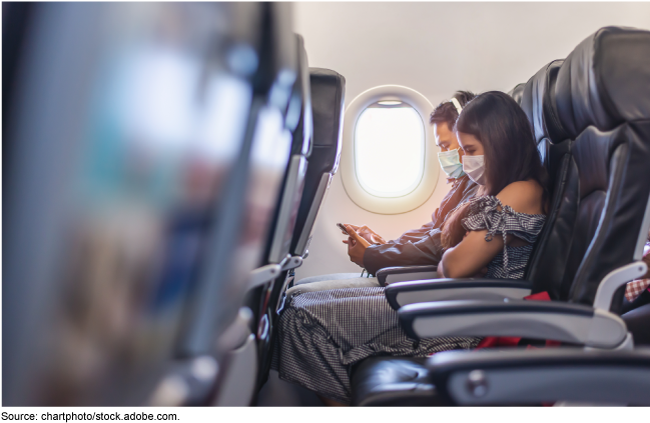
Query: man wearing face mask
420,246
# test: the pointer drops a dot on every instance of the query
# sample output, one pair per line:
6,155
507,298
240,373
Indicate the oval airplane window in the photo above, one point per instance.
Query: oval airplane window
388,159
389,149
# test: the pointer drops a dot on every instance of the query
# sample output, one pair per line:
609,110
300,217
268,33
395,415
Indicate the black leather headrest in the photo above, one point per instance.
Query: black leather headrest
327,94
278,63
517,92
327,98
299,113
594,89
533,97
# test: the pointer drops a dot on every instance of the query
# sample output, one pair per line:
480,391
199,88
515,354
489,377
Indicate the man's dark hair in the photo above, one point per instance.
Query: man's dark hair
446,112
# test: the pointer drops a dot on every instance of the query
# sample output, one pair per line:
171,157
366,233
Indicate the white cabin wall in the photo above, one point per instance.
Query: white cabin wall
436,49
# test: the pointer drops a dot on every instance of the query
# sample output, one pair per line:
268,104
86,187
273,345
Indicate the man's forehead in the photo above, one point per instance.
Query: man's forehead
441,127
442,134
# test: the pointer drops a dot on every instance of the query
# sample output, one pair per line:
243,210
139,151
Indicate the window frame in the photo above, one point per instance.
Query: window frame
431,168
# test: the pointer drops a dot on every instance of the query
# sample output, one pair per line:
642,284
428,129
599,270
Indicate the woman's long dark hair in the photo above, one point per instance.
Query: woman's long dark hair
511,155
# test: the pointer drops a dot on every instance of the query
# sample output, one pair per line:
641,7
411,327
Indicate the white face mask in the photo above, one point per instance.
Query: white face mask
474,166
450,163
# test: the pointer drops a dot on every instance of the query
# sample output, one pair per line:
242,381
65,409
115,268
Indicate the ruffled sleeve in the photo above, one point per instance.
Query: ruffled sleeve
487,212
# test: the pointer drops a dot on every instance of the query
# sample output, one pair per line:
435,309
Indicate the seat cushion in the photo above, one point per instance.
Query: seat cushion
392,381
357,282
328,277
638,323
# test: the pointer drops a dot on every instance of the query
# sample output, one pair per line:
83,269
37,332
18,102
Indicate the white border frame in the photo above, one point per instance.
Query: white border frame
431,171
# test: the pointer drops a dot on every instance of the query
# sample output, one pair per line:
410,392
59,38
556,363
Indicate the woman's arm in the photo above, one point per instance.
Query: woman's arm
470,256
474,253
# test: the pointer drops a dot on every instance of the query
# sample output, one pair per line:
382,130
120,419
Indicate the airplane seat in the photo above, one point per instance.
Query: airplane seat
327,98
545,263
277,258
217,324
532,103
382,380
602,94
637,321
299,122
603,101
517,92
121,179
277,170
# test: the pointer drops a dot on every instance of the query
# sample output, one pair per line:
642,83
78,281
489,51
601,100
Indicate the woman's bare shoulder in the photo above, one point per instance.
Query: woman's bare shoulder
523,197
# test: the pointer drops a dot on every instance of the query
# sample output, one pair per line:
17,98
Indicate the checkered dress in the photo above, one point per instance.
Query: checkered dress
487,212
636,288
322,334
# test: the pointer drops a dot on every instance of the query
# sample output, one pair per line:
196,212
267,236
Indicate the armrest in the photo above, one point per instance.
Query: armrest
522,376
573,323
403,293
389,275
614,280
264,274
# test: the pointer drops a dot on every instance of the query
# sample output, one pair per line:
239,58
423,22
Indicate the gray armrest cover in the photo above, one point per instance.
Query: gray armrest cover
518,376
389,275
402,293
573,323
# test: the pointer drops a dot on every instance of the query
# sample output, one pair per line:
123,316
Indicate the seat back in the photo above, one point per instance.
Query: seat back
602,108
595,147
326,104
548,260
602,97
328,98
532,101
517,92
299,122
272,150
125,146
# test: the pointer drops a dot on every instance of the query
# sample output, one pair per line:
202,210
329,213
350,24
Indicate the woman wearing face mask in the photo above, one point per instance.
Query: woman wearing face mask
502,222
321,335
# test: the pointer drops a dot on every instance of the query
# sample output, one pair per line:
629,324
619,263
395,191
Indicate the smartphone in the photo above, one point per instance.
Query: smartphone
354,235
